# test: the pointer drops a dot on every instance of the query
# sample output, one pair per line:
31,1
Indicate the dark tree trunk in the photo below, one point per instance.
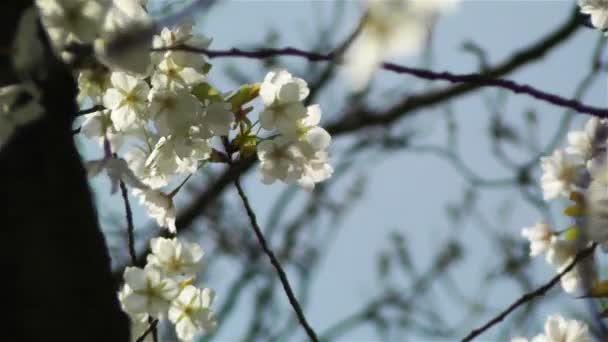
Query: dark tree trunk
56,282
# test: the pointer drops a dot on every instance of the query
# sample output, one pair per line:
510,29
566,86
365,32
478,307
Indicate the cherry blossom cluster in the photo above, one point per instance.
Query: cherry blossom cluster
298,151
577,172
164,289
159,120
559,329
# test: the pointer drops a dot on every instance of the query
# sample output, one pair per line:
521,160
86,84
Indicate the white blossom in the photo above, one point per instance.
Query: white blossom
597,207
218,118
571,280
560,174
27,50
175,257
282,95
125,13
92,84
98,125
559,329
77,19
181,35
117,170
175,155
307,130
279,159
170,73
540,236
175,110
159,206
139,327
127,99
124,17
560,252
391,29
582,143
315,170
191,313
147,291
597,10
137,157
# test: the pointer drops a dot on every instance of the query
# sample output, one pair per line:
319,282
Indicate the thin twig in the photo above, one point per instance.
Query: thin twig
275,262
133,255
130,227
93,109
528,297
474,78
151,328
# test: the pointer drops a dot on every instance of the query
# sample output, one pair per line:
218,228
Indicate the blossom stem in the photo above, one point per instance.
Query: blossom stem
130,227
90,110
179,187
151,329
528,297
275,262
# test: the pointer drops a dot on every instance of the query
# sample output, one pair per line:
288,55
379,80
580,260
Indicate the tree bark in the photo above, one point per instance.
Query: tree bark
56,282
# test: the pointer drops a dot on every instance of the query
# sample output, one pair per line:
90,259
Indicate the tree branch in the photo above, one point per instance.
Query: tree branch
481,80
528,297
130,228
275,262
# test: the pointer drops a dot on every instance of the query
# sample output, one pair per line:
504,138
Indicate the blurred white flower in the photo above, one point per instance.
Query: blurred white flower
181,35
559,329
597,10
597,207
191,312
92,84
121,46
218,118
582,143
560,252
98,125
79,19
571,280
391,29
540,236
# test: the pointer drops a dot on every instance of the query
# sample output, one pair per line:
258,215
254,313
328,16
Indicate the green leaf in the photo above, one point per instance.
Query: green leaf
205,92
571,233
245,94
246,144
